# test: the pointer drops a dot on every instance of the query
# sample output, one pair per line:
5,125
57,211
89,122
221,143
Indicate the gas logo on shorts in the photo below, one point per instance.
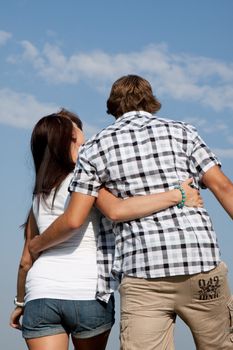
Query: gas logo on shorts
209,289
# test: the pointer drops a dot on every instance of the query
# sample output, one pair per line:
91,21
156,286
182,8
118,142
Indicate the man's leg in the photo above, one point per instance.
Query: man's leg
209,311
147,317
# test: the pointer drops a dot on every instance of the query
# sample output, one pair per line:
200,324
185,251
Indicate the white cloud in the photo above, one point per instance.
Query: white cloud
179,76
4,37
183,77
89,130
199,122
224,153
22,110
216,128
230,139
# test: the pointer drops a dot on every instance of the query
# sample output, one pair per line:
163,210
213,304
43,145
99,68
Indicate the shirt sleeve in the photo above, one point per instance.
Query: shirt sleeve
202,158
86,178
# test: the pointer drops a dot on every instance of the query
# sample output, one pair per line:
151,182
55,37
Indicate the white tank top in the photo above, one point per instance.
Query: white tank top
68,270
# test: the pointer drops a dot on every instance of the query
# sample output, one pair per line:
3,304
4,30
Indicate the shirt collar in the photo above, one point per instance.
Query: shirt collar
134,114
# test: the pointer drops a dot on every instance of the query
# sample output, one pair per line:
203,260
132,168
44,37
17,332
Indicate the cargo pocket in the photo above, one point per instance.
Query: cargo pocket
230,308
124,334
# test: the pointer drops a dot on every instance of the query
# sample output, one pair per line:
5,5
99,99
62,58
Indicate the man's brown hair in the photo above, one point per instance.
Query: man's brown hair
131,93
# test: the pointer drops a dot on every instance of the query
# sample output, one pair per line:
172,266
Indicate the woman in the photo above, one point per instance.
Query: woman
60,291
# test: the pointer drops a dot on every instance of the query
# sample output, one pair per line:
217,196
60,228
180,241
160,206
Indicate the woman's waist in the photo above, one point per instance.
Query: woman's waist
55,264
80,288
70,251
58,272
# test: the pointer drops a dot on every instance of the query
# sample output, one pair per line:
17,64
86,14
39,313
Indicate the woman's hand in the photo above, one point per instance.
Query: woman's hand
15,318
193,197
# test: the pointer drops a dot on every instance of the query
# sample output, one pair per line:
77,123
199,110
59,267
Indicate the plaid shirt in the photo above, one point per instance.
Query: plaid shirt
141,154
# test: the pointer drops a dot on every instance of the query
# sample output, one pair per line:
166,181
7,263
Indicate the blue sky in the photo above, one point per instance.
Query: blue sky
68,53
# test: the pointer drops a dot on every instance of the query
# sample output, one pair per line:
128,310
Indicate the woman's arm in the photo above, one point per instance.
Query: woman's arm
64,227
25,264
114,208
117,209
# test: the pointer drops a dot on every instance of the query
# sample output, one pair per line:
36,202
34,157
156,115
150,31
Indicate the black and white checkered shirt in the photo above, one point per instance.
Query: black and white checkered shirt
141,154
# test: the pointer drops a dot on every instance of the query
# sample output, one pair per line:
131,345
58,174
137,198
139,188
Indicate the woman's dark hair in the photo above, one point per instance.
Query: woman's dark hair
131,93
50,146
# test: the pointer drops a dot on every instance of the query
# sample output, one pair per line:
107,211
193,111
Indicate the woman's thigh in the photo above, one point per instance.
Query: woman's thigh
54,342
98,342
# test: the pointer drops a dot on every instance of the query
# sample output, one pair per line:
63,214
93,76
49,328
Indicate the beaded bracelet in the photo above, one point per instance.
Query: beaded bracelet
181,204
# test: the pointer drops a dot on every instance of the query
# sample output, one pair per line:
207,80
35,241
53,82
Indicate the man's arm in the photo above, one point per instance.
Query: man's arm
221,186
63,227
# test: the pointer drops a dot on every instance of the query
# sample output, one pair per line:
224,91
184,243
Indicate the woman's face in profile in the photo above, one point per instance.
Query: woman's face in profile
77,141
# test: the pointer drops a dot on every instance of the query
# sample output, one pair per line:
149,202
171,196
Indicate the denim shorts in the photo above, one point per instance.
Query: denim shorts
80,318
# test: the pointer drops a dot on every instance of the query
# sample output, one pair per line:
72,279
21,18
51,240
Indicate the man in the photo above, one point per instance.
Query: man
169,262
